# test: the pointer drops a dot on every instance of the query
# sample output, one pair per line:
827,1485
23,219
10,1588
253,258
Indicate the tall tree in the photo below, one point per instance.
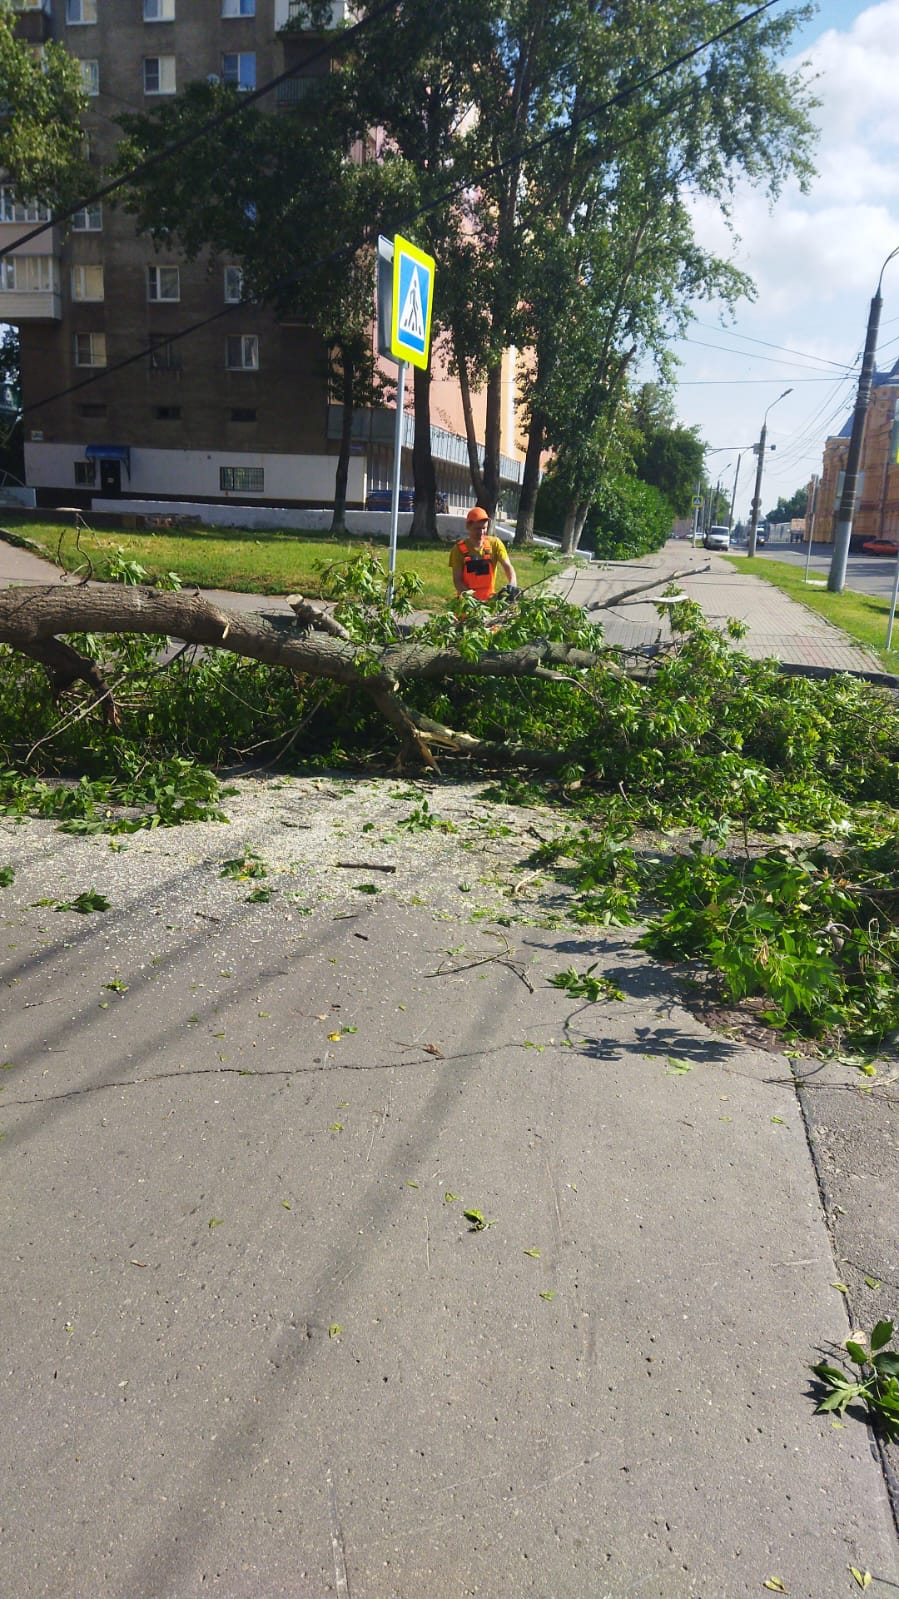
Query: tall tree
285,201
41,142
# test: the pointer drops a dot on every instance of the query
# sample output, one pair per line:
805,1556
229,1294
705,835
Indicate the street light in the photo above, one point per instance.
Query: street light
757,497
842,527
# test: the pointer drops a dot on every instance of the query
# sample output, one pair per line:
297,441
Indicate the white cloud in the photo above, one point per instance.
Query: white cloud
814,259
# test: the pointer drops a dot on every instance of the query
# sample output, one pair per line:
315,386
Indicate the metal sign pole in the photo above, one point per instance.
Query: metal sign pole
395,493
893,605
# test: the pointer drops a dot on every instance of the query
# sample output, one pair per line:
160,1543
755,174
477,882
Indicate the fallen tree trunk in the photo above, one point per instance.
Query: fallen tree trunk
31,620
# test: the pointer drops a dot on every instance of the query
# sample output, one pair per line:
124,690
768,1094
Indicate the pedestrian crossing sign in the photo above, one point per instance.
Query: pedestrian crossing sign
413,297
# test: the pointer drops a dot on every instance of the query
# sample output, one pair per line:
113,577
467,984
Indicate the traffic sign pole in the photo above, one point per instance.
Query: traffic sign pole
395,493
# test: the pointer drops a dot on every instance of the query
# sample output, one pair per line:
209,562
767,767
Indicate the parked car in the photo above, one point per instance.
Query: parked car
717,538
381,499
881,547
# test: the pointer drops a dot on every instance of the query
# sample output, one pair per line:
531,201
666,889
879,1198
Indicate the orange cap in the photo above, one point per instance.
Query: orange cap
475,515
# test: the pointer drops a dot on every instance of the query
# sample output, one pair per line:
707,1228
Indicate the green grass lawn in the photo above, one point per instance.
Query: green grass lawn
863,616
258,562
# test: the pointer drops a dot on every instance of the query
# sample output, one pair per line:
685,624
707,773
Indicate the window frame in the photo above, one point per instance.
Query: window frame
233,479
162,88
233,299
153,276
238,10
82,21
245,339
165,16
84,474
90,76
235,80
83,268
91,337
87,211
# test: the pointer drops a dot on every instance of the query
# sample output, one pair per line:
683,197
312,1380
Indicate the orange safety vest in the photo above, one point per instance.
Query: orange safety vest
477,572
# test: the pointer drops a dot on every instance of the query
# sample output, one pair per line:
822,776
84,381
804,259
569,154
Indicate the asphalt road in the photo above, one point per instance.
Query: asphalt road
867,574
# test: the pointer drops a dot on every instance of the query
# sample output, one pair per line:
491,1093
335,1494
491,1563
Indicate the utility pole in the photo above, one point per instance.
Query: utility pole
842,526
757,496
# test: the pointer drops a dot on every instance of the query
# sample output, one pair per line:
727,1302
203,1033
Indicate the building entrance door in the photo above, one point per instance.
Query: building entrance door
110,477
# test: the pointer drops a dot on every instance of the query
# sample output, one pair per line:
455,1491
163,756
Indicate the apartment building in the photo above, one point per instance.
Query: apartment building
116,403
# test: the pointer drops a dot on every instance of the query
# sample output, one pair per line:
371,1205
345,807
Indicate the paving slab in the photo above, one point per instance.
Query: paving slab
778,627
252,1345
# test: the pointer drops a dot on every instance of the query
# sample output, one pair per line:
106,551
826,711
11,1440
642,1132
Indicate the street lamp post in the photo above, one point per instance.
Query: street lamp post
842,527
757,496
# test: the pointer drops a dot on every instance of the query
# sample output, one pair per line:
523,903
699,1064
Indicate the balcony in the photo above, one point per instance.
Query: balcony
29,284
293,16
301,91
34,20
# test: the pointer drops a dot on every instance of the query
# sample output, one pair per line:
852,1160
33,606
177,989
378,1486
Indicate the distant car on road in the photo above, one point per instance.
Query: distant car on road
717,538
761,534
881,547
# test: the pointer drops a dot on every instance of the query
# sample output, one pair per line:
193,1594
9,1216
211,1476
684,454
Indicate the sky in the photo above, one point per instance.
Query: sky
815,260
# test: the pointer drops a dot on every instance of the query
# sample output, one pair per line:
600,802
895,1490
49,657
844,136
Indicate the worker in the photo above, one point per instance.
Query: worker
477,558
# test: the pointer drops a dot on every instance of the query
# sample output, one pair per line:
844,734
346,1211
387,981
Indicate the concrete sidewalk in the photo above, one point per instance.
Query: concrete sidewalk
779,628
251,1345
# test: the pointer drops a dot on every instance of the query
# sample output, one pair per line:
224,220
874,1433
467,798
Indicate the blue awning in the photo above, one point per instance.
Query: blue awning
110,452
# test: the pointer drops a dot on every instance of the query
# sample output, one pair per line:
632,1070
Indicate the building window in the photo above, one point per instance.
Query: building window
246,479
90,349
13,210
28,274
240,70
233,285
164,356
90,76
163,283
167,413
159,74
88,220
87,283
242,352
238,8
81,11
243,413
159,10
85,474
92,410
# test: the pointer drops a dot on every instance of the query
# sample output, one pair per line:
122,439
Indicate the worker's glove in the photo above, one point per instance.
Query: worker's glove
512,592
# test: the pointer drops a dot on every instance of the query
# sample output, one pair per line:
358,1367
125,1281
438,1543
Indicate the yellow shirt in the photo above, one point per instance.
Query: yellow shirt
491,549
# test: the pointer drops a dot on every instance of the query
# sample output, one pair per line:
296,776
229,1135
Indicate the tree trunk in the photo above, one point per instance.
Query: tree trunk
471,438
424,514
341,476
579,520
569,536
527,505
492,438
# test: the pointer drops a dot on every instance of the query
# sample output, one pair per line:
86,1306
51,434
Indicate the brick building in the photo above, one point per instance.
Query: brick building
877,504
239,409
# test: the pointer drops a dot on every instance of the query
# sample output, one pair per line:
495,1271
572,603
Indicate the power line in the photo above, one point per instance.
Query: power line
748,339
702,344
348,249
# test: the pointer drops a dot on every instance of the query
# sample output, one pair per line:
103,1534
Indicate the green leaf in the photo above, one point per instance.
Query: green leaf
882,1333
857,1352
449,1197
775,1584
215,1221
548,1293
286,1204
477,1219
863,1578
841,1287
335,1329
677,1067
534,1253
873,1282
366,888
410,1183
